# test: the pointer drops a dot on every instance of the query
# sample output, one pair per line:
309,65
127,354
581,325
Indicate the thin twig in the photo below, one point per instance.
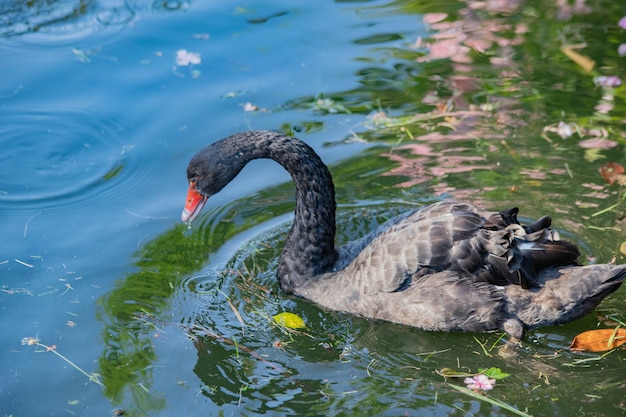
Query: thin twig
489,400
28,222
614,206
145,217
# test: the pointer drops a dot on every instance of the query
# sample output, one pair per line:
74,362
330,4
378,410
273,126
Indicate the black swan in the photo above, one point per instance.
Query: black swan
447,266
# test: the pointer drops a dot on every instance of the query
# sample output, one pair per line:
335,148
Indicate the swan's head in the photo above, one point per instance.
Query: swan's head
207,173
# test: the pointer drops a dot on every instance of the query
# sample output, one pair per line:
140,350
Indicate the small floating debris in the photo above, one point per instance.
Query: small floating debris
24,263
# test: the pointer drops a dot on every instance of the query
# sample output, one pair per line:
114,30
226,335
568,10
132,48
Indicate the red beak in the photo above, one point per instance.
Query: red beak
194,204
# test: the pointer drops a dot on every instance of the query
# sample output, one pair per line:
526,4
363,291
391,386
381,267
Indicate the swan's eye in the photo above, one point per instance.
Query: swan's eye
193,180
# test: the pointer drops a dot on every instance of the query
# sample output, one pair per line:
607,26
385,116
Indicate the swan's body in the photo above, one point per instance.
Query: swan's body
447,266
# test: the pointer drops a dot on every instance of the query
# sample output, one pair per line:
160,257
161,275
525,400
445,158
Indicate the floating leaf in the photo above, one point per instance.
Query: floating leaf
599,340
113,172
622,248
611,171
607,320
289,320
453,373
493,373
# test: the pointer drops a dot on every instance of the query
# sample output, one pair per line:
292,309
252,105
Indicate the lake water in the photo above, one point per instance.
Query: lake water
102,104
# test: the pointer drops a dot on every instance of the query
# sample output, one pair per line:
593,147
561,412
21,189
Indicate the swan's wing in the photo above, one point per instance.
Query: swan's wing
426,241
488,246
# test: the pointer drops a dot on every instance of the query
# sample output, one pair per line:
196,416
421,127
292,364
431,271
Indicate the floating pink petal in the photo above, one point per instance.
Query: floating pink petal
621,49
622,22
184,58
250,107
480,383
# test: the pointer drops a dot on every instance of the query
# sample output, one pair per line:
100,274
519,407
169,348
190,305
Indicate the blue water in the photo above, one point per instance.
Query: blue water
97,124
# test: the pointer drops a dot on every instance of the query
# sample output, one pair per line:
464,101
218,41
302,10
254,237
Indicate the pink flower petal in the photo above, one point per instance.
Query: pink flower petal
480,383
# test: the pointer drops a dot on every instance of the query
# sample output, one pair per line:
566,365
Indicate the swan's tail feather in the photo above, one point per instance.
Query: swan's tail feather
529,258
548,253
516,254
567,294
508,216
543,223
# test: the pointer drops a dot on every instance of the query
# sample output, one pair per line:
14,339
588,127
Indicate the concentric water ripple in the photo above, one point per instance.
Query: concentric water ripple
63,22
54,156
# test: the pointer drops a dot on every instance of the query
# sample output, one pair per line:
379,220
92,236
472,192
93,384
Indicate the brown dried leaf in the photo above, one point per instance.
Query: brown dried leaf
606,320
599,340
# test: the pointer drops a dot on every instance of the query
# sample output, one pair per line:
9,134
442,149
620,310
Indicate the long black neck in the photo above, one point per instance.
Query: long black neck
310,246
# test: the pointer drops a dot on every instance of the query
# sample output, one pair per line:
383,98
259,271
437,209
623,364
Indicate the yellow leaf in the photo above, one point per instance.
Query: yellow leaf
583,61
599,340
289,320
593,154
622,248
